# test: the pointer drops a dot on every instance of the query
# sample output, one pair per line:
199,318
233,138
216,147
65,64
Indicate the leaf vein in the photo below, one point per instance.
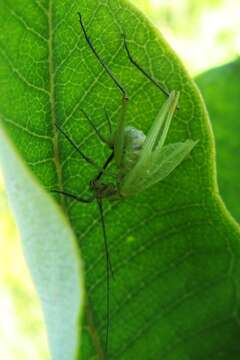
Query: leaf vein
19,74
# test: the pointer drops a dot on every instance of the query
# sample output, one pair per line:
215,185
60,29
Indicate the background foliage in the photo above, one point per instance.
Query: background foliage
221,89
205,33
184,23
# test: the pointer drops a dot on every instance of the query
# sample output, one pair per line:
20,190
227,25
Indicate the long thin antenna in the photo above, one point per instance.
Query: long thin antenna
101,61
108,268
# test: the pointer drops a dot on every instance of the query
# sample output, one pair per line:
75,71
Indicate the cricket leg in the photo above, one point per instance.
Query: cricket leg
74,197
101,61
102,171
109,123
119,136
85,157
143,71
108,269
98,133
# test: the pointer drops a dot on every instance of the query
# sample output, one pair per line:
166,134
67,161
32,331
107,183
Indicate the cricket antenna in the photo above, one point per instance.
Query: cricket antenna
108,268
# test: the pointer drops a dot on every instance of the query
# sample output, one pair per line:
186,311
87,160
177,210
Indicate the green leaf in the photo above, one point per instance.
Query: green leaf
221,90
174,248
50,249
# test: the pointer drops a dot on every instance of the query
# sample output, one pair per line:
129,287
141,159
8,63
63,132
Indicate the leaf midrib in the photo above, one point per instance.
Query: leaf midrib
52,100
57,160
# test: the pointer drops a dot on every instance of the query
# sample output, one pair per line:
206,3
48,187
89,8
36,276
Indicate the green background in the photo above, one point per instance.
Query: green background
221,88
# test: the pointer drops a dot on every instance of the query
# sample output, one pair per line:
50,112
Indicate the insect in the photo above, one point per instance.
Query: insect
141,160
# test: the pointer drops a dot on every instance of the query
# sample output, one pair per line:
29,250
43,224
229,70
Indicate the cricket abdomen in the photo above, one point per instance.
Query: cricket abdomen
134,140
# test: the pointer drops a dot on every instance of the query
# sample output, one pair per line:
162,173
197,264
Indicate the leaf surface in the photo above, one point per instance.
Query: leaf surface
174,248
221,90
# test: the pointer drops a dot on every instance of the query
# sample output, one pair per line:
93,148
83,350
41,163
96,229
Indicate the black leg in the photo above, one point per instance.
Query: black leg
107,162
108,268
98,133
85,157
74,197
101,61
149,77
119,144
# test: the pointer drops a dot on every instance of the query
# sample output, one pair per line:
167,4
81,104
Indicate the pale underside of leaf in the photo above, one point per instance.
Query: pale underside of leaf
50,249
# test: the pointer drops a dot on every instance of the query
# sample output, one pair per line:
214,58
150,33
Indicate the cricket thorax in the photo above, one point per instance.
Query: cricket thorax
134,140
104,191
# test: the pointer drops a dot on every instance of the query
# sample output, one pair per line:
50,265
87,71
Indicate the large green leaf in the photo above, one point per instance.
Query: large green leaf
51,252
221,91
174,248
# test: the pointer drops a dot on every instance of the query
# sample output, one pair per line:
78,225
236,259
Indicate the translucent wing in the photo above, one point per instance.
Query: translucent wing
154,140
167,160
157,166
158,132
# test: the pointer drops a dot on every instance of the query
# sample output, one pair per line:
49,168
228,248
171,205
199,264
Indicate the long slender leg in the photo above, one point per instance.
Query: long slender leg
119,136
144,72
109,122
88,201
108,268
107,162
101,61
85,157
75,197
98,133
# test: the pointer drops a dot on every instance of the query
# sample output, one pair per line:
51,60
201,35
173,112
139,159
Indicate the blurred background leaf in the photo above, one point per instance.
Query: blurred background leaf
221,90
205,33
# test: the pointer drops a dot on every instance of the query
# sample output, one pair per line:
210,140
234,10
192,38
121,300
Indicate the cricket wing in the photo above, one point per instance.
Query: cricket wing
165,161
159,129
157,167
